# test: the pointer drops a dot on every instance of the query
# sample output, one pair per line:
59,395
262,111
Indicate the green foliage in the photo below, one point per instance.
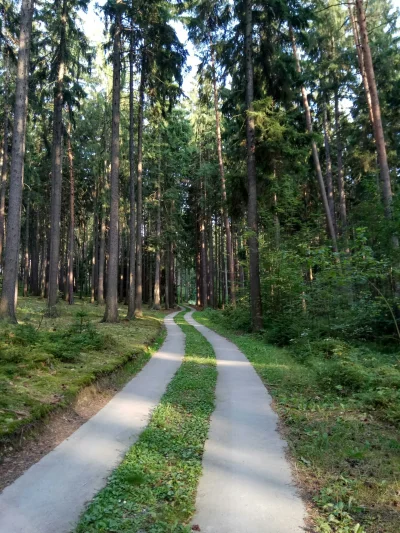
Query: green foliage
238,317
340,405
154,488
310,294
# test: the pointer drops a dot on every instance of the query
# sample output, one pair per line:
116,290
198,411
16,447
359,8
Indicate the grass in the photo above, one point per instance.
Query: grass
154,488
45,362
344,446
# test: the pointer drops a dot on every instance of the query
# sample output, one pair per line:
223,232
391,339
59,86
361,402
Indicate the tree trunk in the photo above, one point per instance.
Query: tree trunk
139,246
228,233
71,239
255,289
157,302
203,253
35,233
149,269
376,112
331,227
171,275
26,251
10,277
4,158
340,173
56,172
102,253
211,262
329,179
166,271
95,254
361,63
132,196
111,312
198,263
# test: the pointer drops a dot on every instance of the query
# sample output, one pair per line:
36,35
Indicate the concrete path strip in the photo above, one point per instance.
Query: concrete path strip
246,485
51,495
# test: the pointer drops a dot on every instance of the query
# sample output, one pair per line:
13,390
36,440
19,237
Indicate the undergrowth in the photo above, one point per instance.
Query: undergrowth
45,362
154,489
340,406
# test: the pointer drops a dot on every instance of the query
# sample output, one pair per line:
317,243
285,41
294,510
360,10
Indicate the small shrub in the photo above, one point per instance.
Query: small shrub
12,354
64,350
238,318
325,348
345,375
25,335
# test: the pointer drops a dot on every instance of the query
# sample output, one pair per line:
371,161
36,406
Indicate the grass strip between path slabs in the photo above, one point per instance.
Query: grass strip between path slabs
154,488
346,457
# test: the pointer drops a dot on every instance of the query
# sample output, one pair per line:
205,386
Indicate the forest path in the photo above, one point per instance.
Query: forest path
246,484
51,495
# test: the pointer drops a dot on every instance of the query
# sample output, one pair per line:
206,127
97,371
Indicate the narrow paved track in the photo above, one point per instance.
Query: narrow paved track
246,485
51,495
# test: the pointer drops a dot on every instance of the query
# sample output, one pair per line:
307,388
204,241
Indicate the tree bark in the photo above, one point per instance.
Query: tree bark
26,251
139,244
340,173
157,301
211,263
102,257
255,289
132,194
228,232
203,249
171,275
111,312
377,118
166,271
56,172
71,239
361,63
35,236
149,267
10,277
4,158
329,177
95,251
317,165
122,262
198,262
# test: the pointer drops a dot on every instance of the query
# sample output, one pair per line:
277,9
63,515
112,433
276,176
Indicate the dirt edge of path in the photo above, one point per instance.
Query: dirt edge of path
21,450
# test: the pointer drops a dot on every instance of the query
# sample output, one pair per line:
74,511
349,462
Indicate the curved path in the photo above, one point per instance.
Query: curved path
246,485
52,494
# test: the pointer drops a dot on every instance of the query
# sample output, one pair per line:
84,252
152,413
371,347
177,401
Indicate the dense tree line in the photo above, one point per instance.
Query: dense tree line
270,190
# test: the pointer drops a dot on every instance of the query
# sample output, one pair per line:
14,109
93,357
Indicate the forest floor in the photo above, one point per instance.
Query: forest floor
51,495
46,363
344,448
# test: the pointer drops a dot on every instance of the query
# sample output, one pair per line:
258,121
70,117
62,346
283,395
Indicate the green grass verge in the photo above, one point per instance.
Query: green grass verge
45,362
347,458
154,488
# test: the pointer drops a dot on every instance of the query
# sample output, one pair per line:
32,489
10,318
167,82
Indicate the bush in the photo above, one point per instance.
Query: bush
328,348
238,318
343,375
